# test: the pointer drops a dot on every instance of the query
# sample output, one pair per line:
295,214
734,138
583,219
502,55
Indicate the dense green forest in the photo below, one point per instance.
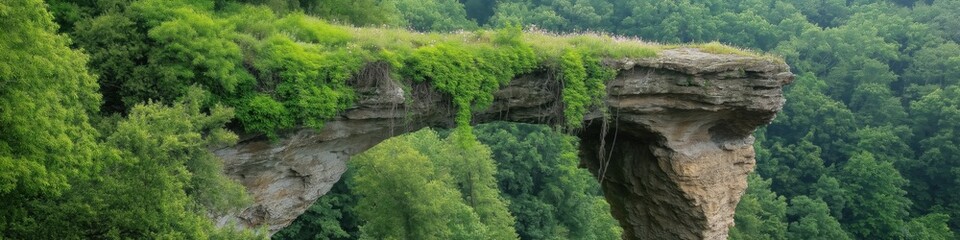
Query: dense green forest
101,98
523,178
865,147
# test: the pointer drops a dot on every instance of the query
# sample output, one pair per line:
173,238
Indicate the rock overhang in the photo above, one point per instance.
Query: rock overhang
673,144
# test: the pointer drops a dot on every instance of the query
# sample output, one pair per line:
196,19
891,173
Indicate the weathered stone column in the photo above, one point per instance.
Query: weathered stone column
677,146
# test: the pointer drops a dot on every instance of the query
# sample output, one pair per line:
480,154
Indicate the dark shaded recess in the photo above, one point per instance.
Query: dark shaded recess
632,180
479,10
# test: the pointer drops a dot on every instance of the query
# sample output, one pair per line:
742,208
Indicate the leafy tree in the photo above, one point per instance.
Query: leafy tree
878,204
828,190
526,14
681,21
812,220
47,143
747,29
118,33
356,12
936,65
931,226
313,85
561,15
422,15
941,15
824,13
473,172
411,191
363,12
843,56
886,143
403,197
761,213
569,206
820,44
479,10
330,217
812,112
59,173
896,25
435,15
548,194
46,139
163,47
865,100
935,130
154,56
161,147
793,167
164,148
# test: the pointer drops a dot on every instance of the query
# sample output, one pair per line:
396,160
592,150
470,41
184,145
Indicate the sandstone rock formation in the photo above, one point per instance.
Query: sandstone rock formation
672,153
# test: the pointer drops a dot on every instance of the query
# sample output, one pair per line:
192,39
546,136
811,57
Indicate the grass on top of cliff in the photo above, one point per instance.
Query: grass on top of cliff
549,47
471,66
546,45
302,65
723,49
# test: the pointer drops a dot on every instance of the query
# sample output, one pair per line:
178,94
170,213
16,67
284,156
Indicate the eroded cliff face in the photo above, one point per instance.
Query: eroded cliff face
672,153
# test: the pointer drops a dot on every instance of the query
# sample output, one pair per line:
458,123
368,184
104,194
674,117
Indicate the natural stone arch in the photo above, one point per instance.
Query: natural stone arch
674,151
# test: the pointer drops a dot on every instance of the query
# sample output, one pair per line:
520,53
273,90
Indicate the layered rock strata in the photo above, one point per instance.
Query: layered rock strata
671,149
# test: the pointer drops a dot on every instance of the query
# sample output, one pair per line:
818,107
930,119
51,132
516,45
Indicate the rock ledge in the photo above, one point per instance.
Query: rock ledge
672,155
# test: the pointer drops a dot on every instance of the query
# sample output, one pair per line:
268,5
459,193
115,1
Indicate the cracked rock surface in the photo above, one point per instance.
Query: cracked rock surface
672,154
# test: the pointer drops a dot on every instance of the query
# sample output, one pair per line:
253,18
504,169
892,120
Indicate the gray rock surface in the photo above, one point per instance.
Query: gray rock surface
672,153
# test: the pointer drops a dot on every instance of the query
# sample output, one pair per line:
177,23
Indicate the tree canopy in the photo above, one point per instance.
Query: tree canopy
108,110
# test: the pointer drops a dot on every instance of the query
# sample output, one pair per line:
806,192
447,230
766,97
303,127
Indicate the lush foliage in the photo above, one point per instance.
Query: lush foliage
330,217
471,74
761,212
282,68
583,85
419,186
46,138
868,127
67,168
864,149
550,196
156,82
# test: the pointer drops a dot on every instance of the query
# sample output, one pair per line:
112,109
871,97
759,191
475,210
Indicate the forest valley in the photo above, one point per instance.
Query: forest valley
109,110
